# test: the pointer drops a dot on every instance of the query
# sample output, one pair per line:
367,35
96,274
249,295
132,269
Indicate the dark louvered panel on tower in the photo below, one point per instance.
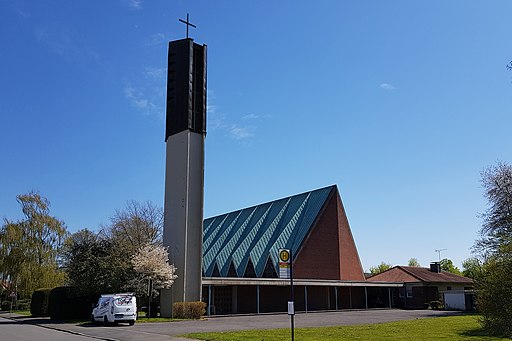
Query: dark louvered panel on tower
199,92
186,88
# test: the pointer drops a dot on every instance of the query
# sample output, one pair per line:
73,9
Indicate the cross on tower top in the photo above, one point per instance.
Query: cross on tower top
188,24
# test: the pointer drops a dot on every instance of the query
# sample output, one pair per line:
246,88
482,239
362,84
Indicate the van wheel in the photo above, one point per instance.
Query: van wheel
105,320
131,323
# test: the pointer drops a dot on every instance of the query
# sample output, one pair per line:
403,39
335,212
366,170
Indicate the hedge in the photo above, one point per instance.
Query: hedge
39,302
68,303
5,305
16,305
189,310
22,304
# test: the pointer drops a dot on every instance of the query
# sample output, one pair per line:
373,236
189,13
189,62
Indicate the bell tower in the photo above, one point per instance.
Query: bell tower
184,175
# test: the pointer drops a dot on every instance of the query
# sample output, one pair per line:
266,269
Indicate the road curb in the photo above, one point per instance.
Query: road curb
27,321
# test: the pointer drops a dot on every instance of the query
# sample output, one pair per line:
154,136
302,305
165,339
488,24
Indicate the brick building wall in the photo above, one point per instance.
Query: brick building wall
329,252
350,264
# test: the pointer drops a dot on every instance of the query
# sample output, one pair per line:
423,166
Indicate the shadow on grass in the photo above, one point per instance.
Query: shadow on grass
478,333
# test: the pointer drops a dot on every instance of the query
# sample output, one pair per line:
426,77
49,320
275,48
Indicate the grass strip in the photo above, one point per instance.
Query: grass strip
459,328
157,319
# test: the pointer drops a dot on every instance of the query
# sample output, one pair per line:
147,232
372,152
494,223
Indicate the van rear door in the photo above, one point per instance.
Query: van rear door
125,304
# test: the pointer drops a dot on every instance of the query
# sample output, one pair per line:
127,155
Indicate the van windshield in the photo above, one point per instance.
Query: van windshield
124,300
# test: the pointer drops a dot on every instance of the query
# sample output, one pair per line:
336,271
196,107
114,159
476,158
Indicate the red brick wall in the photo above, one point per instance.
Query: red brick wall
329,252
350,264
319,256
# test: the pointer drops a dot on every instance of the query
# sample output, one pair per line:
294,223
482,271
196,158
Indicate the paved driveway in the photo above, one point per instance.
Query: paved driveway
169,330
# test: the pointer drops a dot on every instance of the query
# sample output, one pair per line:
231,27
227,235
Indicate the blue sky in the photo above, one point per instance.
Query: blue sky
400,103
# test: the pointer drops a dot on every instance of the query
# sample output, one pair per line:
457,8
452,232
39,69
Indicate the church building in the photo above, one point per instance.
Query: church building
231,261
240,258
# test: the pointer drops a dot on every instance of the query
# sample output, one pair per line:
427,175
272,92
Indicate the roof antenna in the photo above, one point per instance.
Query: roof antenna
439,253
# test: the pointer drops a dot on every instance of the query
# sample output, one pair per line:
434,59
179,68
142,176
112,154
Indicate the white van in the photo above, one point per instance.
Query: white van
115,308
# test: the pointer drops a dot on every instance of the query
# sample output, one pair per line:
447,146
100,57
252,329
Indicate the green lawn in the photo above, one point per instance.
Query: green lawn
460,328
22,312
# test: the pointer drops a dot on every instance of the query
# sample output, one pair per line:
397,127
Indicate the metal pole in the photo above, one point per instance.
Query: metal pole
366,297
389,297
405,296
209,299
336,297
258,299
306,298
292,296
150,289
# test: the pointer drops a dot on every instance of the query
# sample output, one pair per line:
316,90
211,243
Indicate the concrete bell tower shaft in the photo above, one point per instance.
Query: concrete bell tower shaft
184,176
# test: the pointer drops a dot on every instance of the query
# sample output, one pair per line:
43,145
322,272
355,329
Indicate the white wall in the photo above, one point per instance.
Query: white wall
183,216
454,300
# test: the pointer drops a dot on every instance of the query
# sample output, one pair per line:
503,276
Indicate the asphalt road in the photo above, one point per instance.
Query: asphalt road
17,331
170,330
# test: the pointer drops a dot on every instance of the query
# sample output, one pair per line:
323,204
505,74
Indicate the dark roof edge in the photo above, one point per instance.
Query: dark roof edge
271,201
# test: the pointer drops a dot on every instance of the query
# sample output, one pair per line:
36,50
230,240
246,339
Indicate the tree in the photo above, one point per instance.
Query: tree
30,248
447,265
494,296
101,263
151,263
98,263
380,268
414,262
496,232
137,225
94,264
472,268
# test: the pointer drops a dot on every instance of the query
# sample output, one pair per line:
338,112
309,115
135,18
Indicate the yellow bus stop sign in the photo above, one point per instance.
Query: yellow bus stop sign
284,255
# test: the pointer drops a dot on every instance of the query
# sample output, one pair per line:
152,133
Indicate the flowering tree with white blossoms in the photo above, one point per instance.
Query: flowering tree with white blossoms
151,263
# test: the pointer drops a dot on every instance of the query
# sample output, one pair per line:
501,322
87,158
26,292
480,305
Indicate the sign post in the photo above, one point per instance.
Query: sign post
286,271
12,295
150,293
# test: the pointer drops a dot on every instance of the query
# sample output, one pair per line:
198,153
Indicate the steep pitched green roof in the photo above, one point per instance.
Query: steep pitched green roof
256,233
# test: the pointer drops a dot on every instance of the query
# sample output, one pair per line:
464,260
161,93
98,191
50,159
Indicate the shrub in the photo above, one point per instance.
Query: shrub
436,305
23,304
69,303
57,302
426,305
39,302
16,305
189,310
5,305
494,296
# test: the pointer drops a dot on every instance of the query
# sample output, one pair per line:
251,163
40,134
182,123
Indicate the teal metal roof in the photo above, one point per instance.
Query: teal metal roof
256,233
